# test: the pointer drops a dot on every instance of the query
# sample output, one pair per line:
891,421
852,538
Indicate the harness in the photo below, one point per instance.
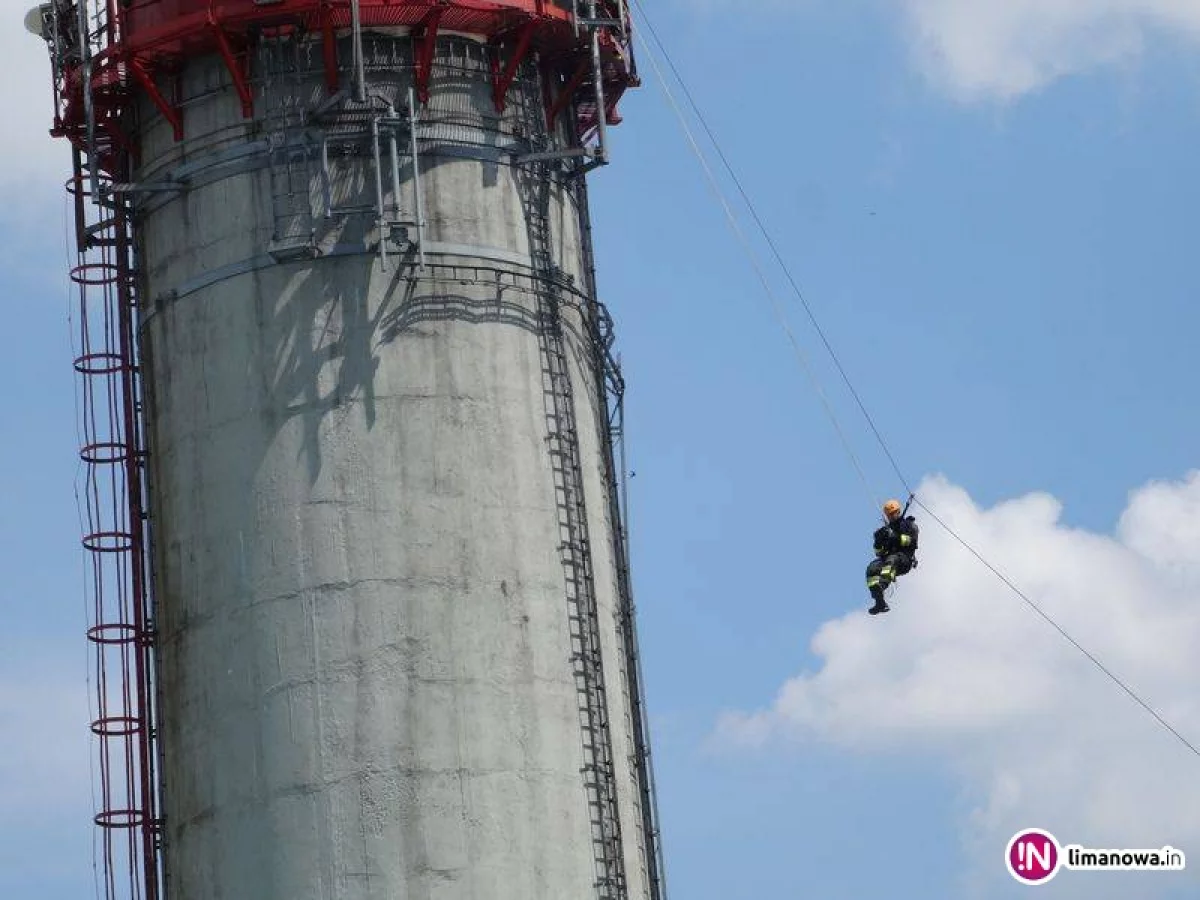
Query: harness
911,554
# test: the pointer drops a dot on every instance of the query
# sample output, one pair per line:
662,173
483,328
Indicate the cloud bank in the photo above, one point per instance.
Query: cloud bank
1001,49
963,671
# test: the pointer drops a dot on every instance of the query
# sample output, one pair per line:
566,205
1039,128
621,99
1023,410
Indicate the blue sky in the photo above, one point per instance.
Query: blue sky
993,217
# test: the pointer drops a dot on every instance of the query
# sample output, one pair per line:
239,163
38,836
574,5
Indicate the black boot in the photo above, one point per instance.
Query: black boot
880,604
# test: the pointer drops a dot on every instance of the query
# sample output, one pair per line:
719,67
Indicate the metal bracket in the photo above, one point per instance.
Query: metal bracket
240,81
418,198
385,223
550,155
502,81
146,187
425,51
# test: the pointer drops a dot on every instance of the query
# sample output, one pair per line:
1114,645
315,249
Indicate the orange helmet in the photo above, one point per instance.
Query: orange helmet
891,509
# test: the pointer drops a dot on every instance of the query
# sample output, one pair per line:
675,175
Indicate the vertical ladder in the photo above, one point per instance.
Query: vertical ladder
611,418
611,386
291,157
575,548
115,522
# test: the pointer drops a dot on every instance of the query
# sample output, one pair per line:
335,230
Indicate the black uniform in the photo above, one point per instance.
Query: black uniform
895,555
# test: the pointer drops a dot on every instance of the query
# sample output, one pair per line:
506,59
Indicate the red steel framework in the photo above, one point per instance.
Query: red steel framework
144,42
104,55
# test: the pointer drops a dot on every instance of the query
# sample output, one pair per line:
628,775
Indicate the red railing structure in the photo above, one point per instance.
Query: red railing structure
122,629
147,39
115,526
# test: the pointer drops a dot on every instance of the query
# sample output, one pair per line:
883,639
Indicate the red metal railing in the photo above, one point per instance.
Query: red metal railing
121,630
144,40
186,26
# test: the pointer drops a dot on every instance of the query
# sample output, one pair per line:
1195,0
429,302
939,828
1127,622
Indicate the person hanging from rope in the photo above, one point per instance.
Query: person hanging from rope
895,553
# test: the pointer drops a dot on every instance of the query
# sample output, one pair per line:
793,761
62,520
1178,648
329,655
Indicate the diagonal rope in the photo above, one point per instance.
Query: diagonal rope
1062,631
770,242
778,309
862,407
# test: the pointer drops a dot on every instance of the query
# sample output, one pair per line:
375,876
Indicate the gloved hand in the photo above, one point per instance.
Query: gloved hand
884,539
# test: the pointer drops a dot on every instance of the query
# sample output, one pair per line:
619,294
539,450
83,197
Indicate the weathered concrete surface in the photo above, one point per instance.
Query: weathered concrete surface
366,689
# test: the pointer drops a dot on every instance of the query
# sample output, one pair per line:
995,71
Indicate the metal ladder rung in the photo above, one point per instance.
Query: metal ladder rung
586,658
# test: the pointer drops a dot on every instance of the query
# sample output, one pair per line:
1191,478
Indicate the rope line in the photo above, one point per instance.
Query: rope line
771,243
1128,690
737,230
829,348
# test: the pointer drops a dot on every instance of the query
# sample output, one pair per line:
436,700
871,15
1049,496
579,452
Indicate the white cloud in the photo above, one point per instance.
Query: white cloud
963,671
1001,49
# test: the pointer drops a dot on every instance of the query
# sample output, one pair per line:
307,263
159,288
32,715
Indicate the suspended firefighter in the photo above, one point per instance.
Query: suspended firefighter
895,553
